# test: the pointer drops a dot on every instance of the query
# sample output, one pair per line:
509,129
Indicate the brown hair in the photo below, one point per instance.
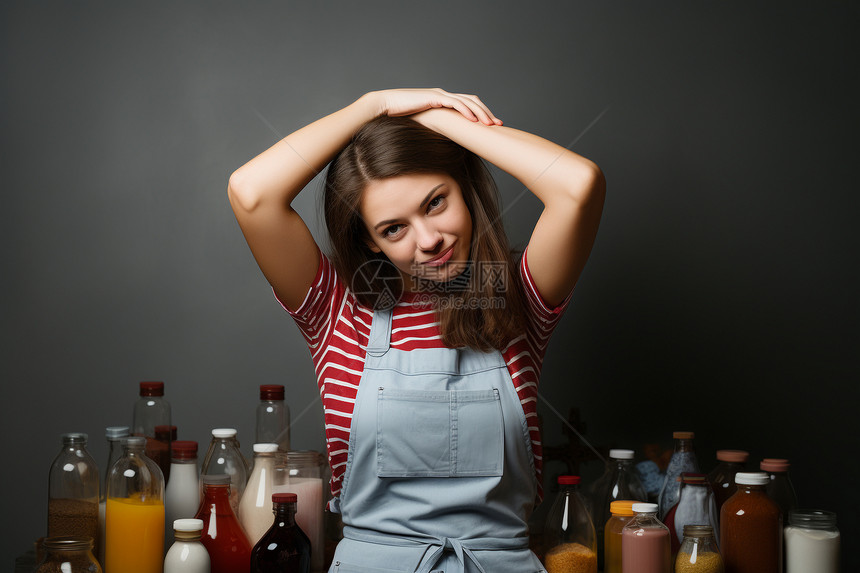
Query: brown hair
486,313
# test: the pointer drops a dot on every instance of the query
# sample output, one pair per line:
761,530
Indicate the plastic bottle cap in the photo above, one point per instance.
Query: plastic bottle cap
224,433
74,437
735,456
752,478
622,507
184,449
271,392
188,524
116,432
152,388
284,498
134,441
568,480
774,465
621,454
265,448
216,479
645,507
683,435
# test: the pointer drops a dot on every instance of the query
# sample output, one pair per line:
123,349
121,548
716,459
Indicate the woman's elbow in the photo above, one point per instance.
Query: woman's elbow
240,195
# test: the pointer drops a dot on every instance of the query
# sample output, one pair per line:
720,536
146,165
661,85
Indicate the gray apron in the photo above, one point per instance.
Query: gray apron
439,473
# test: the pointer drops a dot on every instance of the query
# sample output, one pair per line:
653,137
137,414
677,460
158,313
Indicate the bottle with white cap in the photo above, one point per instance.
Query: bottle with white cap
751,527
187,554
182,495
618,482
645,546
224,457
255,507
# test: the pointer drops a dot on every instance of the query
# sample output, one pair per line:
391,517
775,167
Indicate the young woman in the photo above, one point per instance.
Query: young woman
427,336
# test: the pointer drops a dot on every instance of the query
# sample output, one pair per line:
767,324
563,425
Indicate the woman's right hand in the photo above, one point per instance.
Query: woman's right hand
398,102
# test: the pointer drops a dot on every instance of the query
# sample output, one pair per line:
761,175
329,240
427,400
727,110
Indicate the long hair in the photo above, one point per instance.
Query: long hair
487,309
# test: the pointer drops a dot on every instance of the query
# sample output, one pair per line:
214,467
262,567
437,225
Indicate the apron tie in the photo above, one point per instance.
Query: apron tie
449,544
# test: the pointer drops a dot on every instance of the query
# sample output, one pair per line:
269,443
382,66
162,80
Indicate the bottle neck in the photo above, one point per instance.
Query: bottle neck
184,461
187,536
285,514
216,493
684,445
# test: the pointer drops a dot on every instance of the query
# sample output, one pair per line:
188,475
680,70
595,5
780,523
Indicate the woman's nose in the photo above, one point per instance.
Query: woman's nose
428,238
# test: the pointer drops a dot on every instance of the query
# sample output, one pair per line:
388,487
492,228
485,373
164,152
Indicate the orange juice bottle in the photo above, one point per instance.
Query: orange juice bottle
134,517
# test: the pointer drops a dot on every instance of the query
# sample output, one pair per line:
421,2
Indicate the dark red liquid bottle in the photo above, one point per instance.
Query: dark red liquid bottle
223,536
284,548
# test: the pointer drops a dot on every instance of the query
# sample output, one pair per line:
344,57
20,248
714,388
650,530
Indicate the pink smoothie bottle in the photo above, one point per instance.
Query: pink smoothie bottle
645,542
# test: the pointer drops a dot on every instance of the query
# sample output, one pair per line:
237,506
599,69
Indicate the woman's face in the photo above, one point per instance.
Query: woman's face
421,223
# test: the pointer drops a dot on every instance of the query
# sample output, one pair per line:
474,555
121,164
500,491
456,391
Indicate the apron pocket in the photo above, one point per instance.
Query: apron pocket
457,433
341,567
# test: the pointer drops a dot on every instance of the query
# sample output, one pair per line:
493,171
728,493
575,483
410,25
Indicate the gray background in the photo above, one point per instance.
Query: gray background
721,295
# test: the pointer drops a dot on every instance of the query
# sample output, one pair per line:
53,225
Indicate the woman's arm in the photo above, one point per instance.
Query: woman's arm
261,191
571,188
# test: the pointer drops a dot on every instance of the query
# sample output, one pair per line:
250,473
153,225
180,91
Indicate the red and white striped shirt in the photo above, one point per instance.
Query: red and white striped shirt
337,327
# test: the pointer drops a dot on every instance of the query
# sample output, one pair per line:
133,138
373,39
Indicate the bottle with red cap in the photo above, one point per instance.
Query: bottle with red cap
722,477
569,537
273,417
780,489
223,536
182,496
150,411
284,547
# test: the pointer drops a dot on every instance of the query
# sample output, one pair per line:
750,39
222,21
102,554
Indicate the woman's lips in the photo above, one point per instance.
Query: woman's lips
441,259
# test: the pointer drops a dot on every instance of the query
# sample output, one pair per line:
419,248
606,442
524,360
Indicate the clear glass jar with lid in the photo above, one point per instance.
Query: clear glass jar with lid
812,542
699,552
68,554
73,490
645,544
305,480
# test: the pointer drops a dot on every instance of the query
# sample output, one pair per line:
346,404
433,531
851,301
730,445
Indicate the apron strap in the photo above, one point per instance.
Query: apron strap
380,332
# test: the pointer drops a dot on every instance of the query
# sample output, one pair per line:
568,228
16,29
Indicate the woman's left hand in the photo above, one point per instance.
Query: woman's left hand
399,102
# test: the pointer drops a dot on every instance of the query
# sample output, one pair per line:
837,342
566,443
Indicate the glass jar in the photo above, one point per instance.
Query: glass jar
812,542
225,457
699,552
722,477
114,436
683,460
569,537
695,507
306,482
284,546
73,490
621,514
645,542
273,417
223,536
751,527
619,481
255,507
182,494
134,517
68,554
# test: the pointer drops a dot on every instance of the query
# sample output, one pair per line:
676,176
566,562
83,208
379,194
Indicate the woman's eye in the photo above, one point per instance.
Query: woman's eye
391,231
436,201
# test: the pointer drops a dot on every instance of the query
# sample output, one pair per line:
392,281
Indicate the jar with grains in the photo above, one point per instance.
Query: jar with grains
73,490
751,527
699,552
569,532
68,555
812,542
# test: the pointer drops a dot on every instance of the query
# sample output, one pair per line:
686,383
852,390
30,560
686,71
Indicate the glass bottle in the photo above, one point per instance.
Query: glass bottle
255,511
224,457
569,537
114,435
68,554
695,507
811,542
135,512
164,438
223,536
751,527
699,552
284,548
306,482
683,460
73,490
780,489
273,417
151,410
182,495
619,481
722,477
645,542
621,512
187,554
